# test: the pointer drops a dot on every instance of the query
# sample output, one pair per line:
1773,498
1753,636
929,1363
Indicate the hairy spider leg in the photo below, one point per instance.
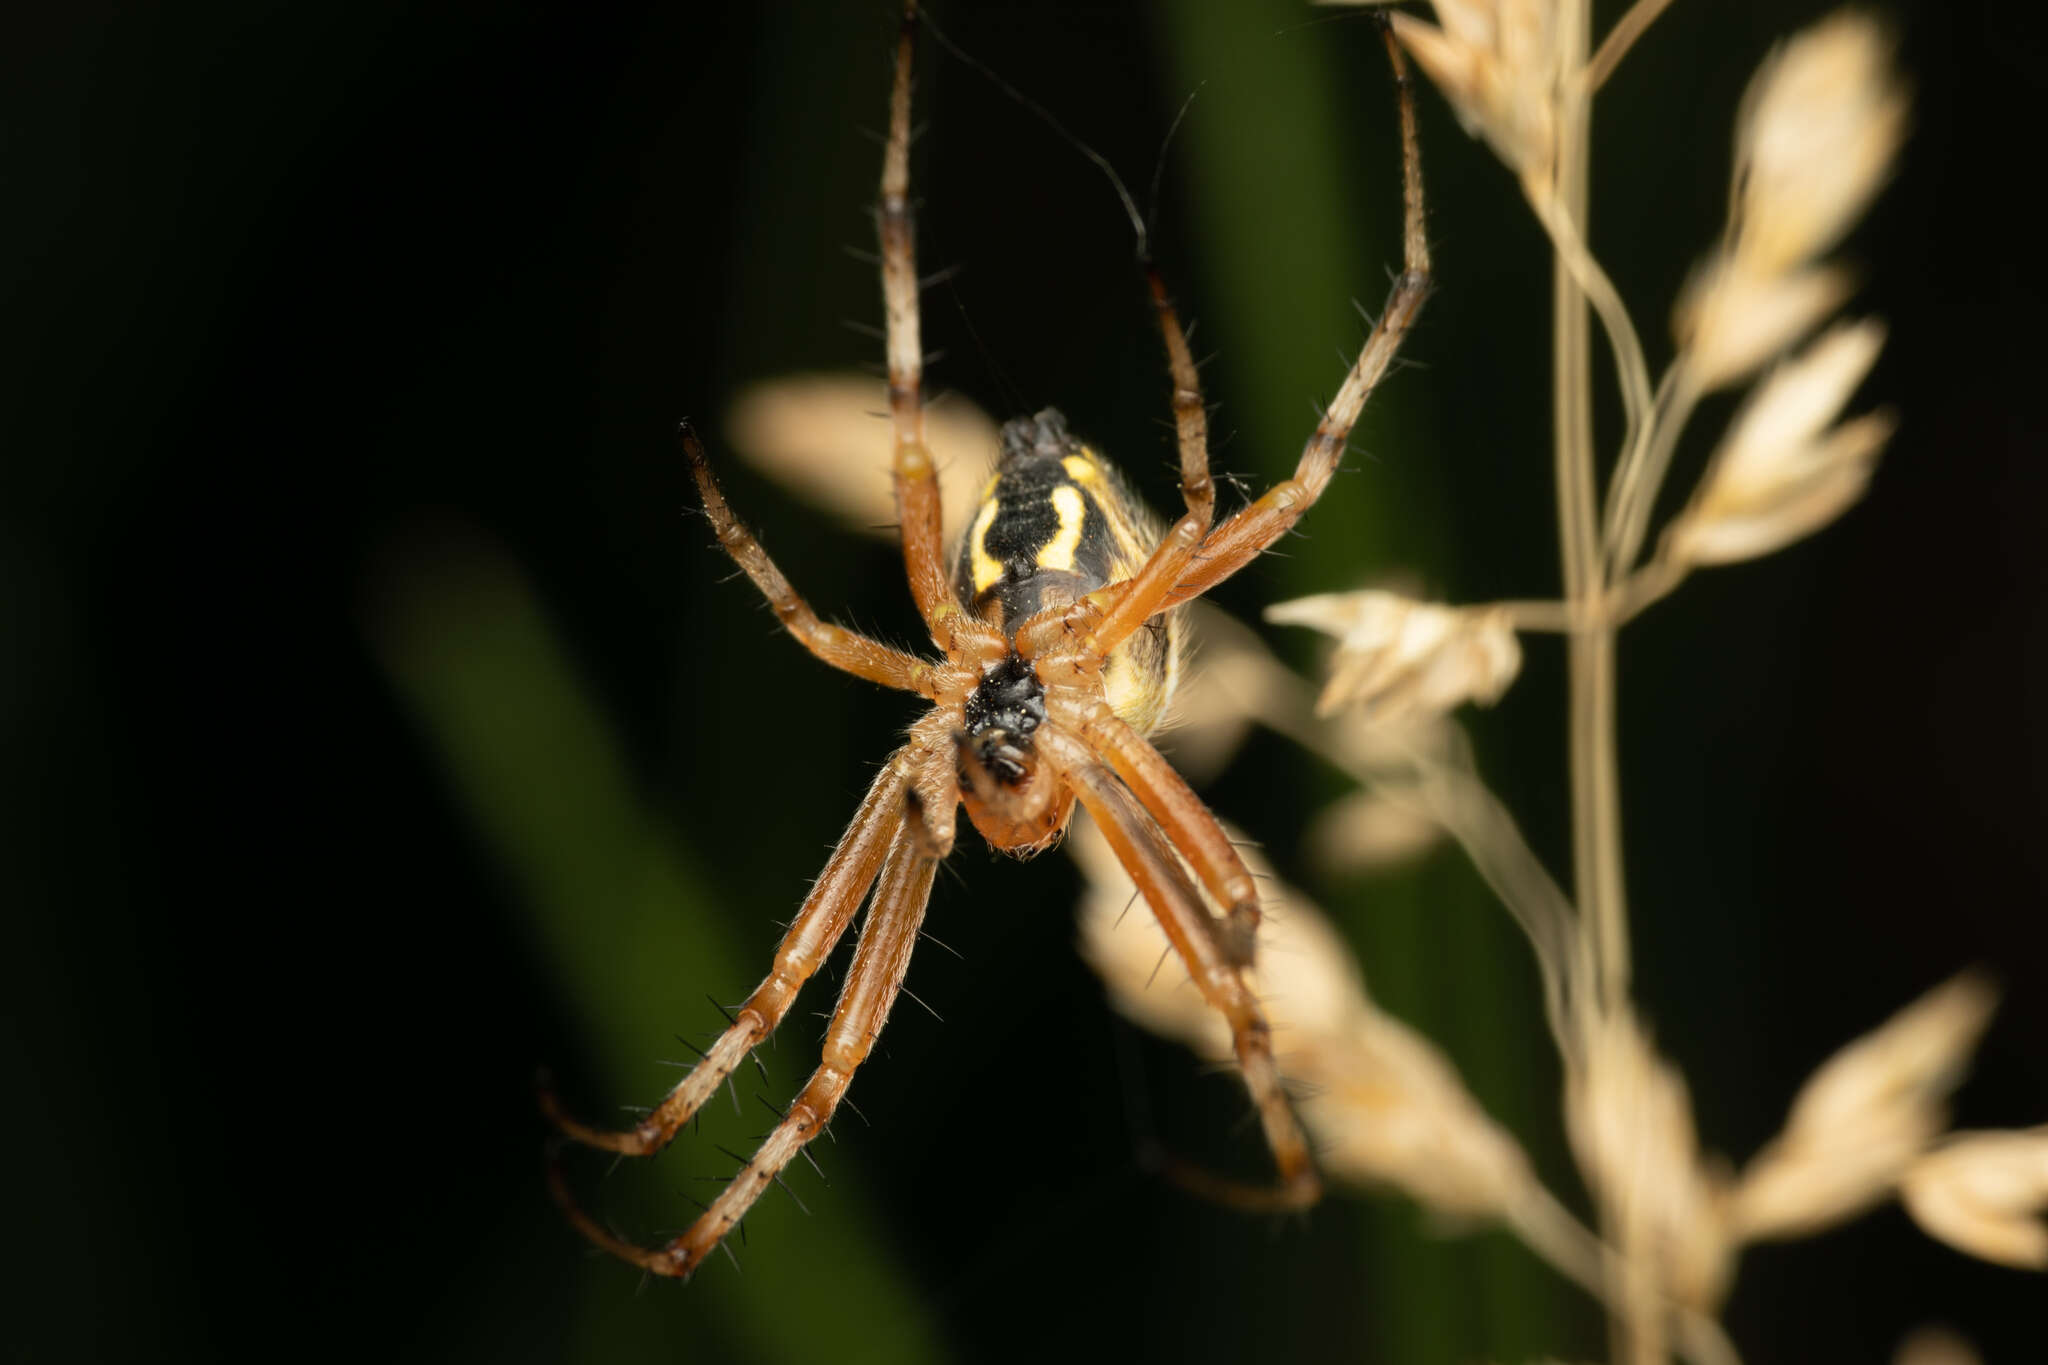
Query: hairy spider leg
811,936
1145,809
1182,816
1152,779
880,960
1249,531
842,648
1194,557
1142,848
1128,606
917,485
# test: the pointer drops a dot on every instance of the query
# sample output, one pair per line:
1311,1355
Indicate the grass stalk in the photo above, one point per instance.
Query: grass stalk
1636,1330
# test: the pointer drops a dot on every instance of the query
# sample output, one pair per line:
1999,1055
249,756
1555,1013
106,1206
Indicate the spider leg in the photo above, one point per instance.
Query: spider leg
1246,534
1190,411
844,649
917,484
934,795
879,963
1182,817
1106,617
809,940
1143,850
1193,557
1129,605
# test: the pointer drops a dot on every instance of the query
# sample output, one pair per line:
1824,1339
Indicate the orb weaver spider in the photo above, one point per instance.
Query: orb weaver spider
1060,645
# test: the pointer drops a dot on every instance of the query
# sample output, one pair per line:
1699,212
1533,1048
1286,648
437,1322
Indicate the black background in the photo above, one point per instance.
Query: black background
310,303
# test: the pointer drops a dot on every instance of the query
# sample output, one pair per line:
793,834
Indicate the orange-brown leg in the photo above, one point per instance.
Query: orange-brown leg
1183,818
917,484
1142,849
1113,612
1190,412
1155,580
934,796
879,964
842,648
1105,618
1192,558
1246,535
810,939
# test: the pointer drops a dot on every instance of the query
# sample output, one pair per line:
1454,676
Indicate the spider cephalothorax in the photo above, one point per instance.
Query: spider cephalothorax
1058,648
1017,804
1002,714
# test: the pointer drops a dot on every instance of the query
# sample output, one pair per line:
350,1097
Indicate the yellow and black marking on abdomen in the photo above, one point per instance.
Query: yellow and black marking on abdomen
1055,523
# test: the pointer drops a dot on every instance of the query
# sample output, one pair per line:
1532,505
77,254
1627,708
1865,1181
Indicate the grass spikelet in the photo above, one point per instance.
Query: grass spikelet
1815,140
1985,1194
1818,131
1864,1117
1401,661
815,433
1731,320
1630,1121
1783,472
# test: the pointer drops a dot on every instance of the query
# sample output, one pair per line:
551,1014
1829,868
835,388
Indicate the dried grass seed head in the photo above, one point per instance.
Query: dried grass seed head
1985,1194
1237,683
1629,1118
1864,1117
1781,473
815,434
1364,831
1819,128
1816,137
1730,321
1406,662
1389,1109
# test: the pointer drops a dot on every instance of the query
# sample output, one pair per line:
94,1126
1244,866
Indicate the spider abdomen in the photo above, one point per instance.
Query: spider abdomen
1055,522
1045,533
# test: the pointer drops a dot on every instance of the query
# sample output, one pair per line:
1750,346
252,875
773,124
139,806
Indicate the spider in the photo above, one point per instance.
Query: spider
1059,645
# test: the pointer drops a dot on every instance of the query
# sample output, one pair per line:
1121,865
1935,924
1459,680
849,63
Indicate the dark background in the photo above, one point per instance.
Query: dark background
381,725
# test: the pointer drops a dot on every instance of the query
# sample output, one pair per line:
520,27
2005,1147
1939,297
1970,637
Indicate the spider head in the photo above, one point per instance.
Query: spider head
1014,801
